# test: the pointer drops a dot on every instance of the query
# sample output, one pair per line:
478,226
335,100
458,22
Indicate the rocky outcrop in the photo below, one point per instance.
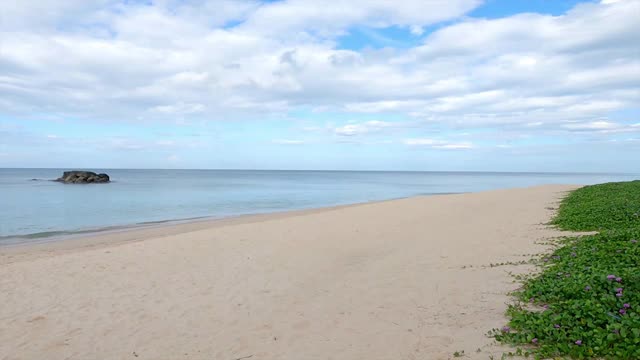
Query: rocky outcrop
83,177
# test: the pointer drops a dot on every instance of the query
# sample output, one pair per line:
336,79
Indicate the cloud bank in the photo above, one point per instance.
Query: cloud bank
233,60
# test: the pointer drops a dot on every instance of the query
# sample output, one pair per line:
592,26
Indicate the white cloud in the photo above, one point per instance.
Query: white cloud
304,18
361,128
438,144
417,30
96,60
180,108
594,125
602,126
350,130
454,146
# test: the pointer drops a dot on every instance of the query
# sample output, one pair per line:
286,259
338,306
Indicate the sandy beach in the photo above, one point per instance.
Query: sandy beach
401,279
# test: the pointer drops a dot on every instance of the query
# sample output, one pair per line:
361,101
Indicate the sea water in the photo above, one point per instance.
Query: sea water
31,210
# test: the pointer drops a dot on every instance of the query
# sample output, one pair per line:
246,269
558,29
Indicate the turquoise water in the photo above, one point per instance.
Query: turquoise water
32,210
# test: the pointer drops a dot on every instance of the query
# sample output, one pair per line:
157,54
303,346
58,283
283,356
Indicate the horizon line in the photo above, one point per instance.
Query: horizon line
328,170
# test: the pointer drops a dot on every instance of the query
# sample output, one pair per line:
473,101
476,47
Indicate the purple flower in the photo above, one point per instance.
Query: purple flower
619,290
619,295
587,288
557,326
626,306
578,342
534,340
634,241
506,329
619,279
545,306
622,311
611,277
532,300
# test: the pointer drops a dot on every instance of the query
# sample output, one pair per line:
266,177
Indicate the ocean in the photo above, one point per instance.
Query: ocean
31,210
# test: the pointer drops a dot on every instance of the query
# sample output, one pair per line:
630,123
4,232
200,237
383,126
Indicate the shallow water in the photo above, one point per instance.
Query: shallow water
37,209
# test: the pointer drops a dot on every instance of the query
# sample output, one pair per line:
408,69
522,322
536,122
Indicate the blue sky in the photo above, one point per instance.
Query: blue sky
536,85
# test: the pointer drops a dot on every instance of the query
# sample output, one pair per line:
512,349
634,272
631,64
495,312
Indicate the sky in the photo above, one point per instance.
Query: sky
435,85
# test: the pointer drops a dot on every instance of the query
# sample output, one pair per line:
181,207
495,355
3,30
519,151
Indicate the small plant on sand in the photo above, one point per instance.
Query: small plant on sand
585,303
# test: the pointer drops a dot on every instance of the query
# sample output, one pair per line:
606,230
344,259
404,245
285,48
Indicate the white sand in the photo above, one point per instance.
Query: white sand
403,279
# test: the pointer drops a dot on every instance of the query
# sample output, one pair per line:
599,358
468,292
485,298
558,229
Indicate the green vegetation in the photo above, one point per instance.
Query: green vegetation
611,206
585,303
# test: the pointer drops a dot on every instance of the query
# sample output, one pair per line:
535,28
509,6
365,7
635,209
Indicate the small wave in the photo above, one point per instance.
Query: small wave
28,238
46,236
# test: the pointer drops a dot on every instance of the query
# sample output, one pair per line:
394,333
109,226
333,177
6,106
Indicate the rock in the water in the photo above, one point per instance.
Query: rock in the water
83,177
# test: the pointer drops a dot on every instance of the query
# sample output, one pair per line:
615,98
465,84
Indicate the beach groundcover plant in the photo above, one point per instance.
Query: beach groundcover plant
610,206
585,303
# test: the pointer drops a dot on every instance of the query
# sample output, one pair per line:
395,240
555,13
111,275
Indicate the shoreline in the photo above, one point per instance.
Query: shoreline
190,224
63,235
409,278
118,235
45,211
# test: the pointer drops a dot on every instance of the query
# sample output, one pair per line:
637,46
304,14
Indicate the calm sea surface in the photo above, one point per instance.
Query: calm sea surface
33,210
